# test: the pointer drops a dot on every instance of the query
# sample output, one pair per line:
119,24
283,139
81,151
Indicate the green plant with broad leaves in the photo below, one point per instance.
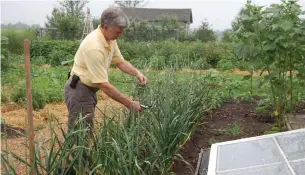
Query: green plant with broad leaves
274,39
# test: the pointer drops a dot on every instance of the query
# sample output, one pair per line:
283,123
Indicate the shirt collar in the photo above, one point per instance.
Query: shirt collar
103,37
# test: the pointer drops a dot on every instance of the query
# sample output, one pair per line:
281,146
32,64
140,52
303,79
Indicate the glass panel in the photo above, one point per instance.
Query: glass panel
277,169
251,153
299,167
293,145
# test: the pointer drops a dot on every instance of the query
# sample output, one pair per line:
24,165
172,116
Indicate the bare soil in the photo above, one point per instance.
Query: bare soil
230,122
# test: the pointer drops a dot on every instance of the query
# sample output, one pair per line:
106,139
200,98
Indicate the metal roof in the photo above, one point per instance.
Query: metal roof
152,14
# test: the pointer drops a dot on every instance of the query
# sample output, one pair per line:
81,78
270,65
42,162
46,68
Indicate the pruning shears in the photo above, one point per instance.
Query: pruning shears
145,106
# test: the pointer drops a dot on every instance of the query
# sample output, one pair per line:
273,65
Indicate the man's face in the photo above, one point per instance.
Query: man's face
113,32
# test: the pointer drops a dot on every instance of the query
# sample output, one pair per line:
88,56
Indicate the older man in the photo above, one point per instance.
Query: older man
91,64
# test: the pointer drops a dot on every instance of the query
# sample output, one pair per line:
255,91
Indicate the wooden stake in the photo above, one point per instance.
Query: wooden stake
29,104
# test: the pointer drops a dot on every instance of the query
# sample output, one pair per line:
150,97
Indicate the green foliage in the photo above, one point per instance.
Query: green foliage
68,19
205,33
273,130
54,51
47,85
95,22
201,64
175,53
216,51
274,39
167,27
5,62
16,38
227,36
19,26
131,3
225,65
157,62
235,130
39,100
145,143
4,98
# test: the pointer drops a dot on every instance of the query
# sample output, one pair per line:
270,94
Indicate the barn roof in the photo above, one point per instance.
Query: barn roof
152,14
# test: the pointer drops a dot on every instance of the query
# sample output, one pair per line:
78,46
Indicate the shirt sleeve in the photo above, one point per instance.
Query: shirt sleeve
117,56
96,63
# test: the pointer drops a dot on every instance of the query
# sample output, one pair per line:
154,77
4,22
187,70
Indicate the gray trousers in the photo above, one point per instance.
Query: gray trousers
80,101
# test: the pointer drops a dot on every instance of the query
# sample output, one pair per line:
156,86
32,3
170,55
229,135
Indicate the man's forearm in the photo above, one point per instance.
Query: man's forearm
113,93
126,67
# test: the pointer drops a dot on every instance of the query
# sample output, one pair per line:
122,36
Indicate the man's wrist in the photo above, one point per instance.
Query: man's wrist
138,73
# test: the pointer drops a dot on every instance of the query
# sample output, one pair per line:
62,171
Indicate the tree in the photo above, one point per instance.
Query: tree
227,36
236,23
168,22
131,3
205,33
68,18
273,38
95,21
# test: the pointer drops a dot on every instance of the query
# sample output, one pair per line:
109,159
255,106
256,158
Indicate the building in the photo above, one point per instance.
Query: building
184,16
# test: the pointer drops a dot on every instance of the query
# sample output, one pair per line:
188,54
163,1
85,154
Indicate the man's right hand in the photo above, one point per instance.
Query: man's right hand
135,106
112,92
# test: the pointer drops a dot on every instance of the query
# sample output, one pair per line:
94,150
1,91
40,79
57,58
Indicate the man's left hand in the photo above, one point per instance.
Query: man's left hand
142,79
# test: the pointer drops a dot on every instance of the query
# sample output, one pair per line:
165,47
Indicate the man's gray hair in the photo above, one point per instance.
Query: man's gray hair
114,16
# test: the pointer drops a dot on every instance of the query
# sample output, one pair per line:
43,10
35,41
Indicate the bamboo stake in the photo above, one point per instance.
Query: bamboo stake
29,104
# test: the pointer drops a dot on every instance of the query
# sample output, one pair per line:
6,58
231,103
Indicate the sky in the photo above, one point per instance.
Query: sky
219,13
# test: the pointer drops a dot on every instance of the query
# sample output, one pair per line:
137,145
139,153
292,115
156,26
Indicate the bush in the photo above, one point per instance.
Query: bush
47,86
216,51
39,60
173,53
38,98
201,64
16,38
224,65
5,62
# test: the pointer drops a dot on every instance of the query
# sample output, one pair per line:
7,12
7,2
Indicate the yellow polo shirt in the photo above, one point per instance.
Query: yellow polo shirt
93,58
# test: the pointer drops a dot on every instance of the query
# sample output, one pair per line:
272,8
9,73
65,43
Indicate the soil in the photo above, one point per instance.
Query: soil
218,126
12,132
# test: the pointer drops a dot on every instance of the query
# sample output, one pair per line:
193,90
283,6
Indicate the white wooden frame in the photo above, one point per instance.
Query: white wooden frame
213,161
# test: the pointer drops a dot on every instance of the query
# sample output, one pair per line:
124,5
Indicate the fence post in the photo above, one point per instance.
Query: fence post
29,104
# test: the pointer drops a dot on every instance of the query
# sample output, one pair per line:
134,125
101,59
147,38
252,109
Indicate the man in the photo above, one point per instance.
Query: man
91,64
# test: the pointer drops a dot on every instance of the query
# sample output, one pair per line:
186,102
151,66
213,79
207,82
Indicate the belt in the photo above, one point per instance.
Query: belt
75,80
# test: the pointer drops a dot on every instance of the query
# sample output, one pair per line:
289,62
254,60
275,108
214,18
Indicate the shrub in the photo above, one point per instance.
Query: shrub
179,54
16,38
225,64
38,98
201,64
5,62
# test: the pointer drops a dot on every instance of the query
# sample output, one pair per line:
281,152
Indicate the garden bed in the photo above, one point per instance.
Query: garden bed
233,121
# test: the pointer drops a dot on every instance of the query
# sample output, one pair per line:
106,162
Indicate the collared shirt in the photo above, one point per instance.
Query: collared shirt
93,58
